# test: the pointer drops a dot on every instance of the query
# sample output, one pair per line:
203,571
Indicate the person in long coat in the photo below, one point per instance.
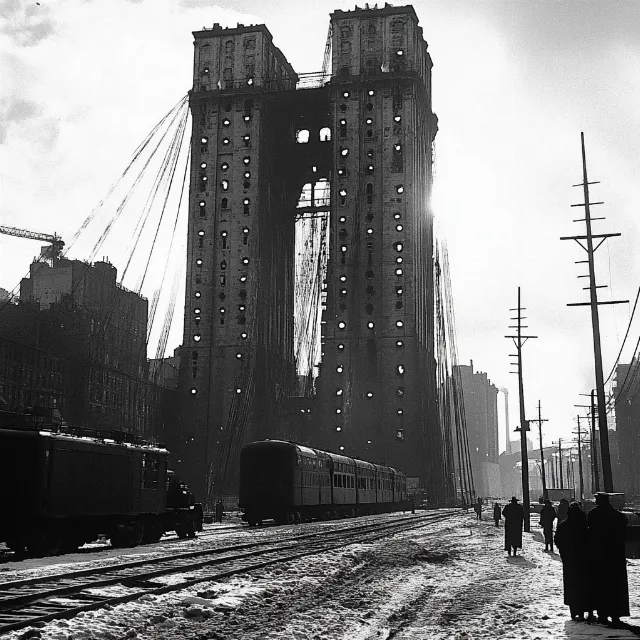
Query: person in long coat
572,540
477,507
563,507
513,518
497,513
607,532
219,511
547,516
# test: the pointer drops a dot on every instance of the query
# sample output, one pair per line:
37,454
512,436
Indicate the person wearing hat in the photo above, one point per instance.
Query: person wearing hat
513,519
547,516
607,533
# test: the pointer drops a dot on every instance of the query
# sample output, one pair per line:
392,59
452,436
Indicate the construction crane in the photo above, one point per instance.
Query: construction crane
51,252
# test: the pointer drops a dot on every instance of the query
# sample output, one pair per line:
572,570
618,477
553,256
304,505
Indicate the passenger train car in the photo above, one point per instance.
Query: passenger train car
290,483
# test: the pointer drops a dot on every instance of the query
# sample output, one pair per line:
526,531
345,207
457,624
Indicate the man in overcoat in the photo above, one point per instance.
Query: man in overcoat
572,540
547,516
563,507
219,510
477,507
607,532
513,518
497,513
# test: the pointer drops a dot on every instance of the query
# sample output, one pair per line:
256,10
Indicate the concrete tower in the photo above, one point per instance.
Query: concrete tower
258,138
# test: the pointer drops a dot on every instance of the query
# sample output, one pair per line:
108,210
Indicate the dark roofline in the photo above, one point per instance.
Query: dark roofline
387,10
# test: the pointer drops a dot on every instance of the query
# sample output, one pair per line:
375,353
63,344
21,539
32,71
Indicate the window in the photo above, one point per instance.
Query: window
150,471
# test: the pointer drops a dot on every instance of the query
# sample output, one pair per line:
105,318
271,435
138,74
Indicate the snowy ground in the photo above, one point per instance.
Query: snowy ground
446,581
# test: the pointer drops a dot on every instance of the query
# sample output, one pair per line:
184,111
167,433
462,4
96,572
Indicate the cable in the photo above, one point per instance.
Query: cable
626,335
141,147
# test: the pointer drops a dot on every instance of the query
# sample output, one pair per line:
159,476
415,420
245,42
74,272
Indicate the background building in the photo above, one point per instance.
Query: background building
481,417
627,399
76,341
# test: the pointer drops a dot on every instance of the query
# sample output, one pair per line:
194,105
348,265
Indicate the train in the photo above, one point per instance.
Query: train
60,490
291,483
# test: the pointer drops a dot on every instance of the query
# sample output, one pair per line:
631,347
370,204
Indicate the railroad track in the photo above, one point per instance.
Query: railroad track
36,600
10,556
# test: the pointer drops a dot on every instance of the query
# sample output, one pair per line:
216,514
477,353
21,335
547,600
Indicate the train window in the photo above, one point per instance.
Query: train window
150,472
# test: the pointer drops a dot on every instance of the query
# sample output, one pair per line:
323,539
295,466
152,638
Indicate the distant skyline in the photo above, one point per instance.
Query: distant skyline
514,84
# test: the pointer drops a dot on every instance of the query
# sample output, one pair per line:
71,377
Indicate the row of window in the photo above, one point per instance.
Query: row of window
348,481
224,203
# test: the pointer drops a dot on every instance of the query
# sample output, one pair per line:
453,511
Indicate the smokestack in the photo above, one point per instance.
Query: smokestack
506,421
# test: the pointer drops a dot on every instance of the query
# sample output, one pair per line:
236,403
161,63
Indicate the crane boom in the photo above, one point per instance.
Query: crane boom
56,241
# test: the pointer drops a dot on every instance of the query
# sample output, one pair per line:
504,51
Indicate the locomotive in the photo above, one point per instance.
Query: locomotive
291,483
59,490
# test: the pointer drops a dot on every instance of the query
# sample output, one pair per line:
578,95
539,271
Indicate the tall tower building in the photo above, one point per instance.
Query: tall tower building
364,138
376,394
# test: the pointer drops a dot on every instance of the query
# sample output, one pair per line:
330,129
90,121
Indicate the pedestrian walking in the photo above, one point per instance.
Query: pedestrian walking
219,510
477,507
563,508
547,516
497,513
572,540
608,560
513,518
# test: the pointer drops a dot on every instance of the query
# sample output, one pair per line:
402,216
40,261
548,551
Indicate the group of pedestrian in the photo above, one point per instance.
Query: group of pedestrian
594,565
592,549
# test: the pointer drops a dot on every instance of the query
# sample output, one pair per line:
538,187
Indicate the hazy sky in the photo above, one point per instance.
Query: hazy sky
515,82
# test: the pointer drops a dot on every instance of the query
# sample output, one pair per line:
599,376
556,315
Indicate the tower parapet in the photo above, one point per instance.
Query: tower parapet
240,58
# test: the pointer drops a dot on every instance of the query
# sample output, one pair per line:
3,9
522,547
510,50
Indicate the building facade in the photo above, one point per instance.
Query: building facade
627,403
362,142
481,417
76,341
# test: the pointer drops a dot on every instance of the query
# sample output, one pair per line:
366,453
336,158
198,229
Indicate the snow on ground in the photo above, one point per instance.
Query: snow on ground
446,581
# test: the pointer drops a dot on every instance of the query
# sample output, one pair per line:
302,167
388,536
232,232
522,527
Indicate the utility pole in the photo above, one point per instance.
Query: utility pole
519,341
540,420
560,462
594,444
595,320
595,479
579,433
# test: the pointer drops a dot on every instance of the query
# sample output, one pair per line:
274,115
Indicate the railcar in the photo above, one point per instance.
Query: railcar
59,491
290,483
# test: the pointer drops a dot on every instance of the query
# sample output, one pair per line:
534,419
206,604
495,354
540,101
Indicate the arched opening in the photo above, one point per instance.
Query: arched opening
302,136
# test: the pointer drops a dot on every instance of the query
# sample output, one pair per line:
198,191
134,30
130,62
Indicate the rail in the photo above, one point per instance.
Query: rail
35,601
